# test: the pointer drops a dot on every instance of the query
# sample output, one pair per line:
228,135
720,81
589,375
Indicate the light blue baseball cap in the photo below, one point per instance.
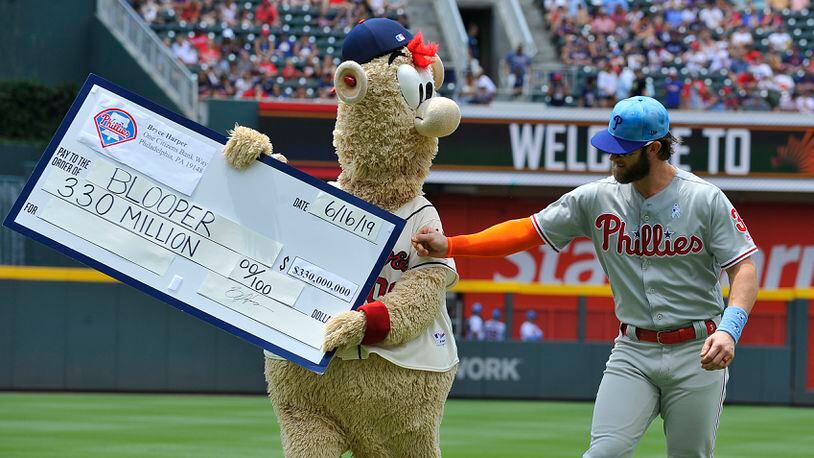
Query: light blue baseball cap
634,123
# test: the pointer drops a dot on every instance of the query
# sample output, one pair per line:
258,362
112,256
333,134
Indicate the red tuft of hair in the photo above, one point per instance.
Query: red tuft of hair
423,53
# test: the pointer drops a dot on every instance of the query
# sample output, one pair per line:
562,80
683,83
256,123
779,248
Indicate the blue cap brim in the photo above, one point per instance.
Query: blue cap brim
604,141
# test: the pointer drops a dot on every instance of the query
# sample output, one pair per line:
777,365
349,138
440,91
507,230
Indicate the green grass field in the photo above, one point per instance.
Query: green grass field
132,425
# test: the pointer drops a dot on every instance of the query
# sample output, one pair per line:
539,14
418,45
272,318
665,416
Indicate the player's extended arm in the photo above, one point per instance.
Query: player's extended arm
719,348
501,239
398,317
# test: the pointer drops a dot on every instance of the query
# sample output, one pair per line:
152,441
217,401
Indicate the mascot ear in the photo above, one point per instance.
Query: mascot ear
350,82
437,71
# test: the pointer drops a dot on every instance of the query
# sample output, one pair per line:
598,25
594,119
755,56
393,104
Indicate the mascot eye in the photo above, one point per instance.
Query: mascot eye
409,81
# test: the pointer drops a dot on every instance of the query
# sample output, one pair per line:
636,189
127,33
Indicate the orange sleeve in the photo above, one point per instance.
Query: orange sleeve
499,240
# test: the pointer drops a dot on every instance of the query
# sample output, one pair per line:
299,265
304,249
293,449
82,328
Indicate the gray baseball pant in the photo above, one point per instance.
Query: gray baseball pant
644,379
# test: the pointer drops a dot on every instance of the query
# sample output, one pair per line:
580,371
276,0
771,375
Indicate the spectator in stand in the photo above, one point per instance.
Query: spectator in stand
798,5
589,98
625,83
558,92
472,39
326,85
474,324
467,91
639,85
495,329
610,5
228,13
529,331
517,66
619,16
210,54
607,83
245,84
673,86
184,51
290,71
485,89
267,14
602,23
805,102
711,15
780,40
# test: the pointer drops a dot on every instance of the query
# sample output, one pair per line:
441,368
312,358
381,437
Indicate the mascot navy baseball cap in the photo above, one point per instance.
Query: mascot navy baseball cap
634,123
372,38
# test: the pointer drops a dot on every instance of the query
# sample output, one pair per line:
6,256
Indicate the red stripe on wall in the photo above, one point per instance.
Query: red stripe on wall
289,107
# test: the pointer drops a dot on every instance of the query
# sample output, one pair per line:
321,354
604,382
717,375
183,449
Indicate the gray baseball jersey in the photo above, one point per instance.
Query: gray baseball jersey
663,255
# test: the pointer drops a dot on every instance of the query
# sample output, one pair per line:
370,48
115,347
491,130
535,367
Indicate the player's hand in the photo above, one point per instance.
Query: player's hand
718,351
430,242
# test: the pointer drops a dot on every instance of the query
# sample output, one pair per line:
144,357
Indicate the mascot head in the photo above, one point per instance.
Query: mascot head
389,117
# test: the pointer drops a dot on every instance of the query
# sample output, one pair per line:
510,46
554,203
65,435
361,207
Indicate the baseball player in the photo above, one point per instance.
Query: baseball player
474,326
494,329
663,236
529,331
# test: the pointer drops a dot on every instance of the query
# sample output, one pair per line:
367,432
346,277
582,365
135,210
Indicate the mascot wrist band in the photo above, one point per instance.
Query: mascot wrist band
378,322
733,322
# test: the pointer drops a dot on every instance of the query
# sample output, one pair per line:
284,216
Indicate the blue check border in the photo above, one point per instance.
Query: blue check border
205,131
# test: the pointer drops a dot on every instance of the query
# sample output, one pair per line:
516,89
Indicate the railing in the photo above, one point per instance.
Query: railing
12,244
180,84
454,33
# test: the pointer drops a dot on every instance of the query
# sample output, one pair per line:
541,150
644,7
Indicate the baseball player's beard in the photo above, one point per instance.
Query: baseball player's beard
633,172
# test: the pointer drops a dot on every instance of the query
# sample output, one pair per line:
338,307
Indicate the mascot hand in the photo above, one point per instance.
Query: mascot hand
245,145
344,330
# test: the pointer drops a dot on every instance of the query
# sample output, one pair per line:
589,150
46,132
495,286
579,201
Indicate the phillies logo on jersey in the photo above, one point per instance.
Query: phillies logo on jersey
739,224
115,126
651,240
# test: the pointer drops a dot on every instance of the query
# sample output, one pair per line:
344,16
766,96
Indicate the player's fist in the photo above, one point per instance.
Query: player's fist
430,242
344,330
718,351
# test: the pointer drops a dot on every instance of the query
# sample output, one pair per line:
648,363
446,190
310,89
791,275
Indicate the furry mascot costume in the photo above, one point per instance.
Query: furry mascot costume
383,393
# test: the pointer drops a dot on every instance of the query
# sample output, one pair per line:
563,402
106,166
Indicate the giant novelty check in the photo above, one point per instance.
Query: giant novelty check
145,196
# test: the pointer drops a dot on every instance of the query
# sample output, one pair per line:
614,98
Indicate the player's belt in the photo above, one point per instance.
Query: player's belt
670,337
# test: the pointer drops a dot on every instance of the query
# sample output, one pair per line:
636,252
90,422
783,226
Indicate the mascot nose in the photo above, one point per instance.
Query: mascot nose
437,117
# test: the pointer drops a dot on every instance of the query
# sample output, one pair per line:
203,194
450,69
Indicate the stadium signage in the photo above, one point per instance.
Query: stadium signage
560,147
476,368
529,146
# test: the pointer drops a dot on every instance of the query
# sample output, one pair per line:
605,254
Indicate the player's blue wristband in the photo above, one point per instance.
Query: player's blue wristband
733,322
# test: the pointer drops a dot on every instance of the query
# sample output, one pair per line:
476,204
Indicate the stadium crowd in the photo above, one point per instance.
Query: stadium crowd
261,49
692,54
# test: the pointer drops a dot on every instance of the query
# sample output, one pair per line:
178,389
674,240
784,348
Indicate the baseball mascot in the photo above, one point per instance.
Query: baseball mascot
383,393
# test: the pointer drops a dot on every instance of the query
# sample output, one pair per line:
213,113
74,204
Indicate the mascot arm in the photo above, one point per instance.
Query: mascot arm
413,304
400,315
245,145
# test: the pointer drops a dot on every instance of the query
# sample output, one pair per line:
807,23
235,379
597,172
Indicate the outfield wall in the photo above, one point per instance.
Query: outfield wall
82,331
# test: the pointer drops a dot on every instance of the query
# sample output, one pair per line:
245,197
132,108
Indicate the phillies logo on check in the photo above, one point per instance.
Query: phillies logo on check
115,126
651,241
